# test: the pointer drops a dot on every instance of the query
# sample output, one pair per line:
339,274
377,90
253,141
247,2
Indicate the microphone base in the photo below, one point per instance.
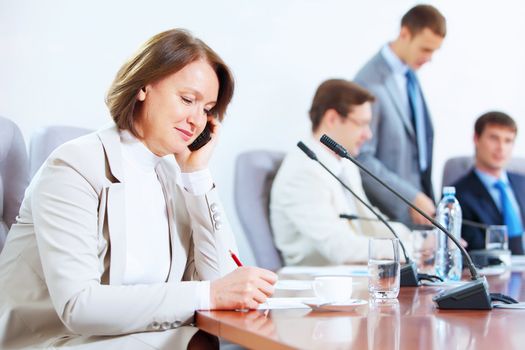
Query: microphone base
490,257
473,295
409,275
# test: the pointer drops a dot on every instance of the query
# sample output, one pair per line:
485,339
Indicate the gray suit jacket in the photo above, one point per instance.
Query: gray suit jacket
392,153
62,266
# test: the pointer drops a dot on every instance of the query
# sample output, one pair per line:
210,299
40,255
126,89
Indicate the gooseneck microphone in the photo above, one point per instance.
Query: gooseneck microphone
470,296
408,274
463,221
357,217
474,224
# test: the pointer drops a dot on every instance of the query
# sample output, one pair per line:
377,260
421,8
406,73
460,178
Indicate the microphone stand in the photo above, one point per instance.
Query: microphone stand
470,296
408,272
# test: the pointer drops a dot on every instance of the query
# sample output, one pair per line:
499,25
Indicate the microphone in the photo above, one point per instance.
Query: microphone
470,296
357,217
408,273
474,224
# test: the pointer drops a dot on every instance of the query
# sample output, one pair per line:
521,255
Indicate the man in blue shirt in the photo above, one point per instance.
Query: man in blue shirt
400,150
489,194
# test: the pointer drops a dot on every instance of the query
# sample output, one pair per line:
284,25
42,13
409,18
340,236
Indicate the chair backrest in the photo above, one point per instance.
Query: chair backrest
457,167
14,174
254,175
47,139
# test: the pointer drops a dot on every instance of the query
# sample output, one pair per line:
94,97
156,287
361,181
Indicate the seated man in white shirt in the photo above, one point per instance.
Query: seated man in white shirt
306,201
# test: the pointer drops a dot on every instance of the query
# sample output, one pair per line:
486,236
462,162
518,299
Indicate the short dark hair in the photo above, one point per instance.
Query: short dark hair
337,94
164,54
494,118
425,16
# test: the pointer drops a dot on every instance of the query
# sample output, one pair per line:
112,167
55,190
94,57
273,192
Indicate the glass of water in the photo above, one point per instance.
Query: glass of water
424,244
383,268
496,237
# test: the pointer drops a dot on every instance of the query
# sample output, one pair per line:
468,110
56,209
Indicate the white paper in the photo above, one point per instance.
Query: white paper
517,259
340,270
510,306
492,270
287,303
443,284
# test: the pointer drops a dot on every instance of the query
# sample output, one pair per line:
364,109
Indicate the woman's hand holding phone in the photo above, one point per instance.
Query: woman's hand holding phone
191,161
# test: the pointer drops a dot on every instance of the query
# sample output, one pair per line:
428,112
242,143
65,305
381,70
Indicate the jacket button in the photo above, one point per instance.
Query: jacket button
217,217
218,225
213,207
165,325
155,325
176,324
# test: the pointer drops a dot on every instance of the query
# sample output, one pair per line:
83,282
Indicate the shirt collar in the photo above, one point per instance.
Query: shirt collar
395,63
134,150
489,180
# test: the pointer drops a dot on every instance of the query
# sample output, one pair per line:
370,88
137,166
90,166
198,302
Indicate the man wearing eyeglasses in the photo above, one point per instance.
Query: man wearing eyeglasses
306,201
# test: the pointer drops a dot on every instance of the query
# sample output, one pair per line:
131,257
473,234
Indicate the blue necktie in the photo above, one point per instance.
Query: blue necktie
510,217
415,100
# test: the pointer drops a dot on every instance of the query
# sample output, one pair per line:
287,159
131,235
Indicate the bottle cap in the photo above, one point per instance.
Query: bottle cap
449,190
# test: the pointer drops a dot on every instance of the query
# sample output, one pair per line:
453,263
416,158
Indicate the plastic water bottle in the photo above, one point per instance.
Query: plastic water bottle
449,261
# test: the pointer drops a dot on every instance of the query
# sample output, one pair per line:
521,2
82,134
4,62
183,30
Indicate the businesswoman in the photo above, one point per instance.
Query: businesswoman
122,232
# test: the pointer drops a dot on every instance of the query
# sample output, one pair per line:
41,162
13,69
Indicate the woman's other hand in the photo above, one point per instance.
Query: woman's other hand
244,288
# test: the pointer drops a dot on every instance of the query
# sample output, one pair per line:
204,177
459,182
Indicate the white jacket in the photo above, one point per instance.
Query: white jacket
62,266
305,205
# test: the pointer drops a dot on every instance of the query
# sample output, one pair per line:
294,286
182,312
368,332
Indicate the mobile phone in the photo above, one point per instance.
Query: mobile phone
202,139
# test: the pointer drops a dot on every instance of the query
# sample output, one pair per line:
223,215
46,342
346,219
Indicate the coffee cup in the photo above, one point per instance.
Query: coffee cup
333,289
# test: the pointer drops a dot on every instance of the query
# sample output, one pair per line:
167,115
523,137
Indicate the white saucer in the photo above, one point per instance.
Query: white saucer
348,305
493,270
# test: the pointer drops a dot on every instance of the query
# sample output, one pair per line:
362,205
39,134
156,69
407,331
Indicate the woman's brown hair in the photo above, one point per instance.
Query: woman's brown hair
164,54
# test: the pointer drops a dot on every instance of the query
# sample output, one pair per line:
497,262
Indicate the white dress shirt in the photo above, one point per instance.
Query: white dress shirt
146,215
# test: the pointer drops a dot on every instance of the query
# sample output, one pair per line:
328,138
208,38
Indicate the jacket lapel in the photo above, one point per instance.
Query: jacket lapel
116,201
116,219
168,197
394,93
177,221
485,199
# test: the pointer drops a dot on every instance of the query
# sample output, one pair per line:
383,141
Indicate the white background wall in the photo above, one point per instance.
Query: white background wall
58,57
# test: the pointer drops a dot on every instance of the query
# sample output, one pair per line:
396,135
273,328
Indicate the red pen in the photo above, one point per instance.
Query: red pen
235,258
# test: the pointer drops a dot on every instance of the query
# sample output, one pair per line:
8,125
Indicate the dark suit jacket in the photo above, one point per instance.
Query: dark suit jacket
477,205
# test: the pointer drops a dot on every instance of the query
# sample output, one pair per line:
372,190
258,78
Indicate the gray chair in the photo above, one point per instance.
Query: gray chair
254,175
457,167
47,139
14,174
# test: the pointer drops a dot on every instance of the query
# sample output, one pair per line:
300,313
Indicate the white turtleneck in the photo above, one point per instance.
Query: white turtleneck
147,217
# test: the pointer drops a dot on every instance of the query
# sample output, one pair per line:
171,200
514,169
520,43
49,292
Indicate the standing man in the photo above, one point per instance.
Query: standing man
400,151
489,194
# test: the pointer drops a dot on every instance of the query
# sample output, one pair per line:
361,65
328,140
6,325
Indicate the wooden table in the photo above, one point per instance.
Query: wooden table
411,323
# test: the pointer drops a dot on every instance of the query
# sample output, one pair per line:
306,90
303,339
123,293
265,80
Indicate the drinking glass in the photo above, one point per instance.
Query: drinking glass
383,268
424,250
496,237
